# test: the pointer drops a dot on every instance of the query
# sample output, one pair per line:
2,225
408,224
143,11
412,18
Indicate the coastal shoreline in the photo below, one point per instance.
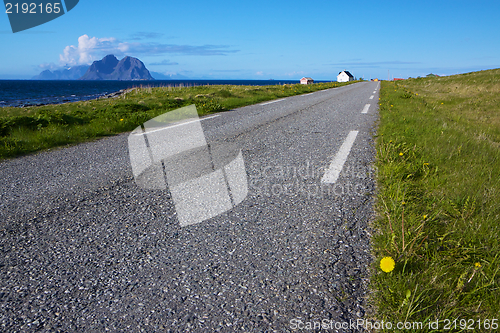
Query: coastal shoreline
28,93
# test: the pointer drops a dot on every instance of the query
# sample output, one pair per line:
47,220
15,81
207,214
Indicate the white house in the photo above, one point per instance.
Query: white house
306,80
345,76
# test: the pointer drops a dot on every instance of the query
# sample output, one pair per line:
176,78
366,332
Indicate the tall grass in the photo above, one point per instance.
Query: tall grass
438,162
27,130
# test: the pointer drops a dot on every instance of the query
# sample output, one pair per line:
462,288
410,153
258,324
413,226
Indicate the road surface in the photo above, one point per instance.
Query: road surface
84,248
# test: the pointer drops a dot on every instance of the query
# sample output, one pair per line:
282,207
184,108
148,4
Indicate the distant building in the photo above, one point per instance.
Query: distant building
306,80
375,79
345,76
397,79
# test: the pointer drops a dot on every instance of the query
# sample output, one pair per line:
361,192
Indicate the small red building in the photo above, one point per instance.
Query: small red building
306,80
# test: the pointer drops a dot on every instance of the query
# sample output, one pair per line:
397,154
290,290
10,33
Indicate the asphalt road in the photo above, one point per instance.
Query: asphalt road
84,248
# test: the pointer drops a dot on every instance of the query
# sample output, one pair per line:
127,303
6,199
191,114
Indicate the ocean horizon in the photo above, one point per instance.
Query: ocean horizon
22,93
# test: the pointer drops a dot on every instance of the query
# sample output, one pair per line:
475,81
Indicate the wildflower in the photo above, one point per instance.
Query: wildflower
477,265
121,119
426,163
387,264
400,154
425,216
392,105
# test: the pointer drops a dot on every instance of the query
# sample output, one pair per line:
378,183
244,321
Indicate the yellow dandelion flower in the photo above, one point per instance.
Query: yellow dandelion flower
400,154
425,216
477,265
121,119
387,264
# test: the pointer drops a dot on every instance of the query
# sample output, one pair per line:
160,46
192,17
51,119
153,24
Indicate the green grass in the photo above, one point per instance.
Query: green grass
438,205
28,130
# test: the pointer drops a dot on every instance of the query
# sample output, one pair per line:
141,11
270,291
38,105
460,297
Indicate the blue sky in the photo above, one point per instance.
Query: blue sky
264,39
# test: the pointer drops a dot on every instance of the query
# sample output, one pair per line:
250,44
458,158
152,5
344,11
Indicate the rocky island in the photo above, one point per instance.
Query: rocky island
109,68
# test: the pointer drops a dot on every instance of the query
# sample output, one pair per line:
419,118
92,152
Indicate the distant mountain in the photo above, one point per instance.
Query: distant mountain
72,73
109,68
160,76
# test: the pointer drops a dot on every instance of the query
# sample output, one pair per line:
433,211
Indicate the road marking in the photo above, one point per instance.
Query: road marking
176,125
205,118
365,109
279,100
375,91
371,97
332,174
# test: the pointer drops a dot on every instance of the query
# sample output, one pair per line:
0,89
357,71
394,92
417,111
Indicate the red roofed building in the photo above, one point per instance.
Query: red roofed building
306,80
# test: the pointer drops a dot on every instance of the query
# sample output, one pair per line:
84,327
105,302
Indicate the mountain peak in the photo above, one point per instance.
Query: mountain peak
110,57
110,68
71,73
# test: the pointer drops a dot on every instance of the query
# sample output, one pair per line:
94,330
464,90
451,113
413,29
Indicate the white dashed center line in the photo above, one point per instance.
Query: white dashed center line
365,109
278,100
332,174
371,97
176,125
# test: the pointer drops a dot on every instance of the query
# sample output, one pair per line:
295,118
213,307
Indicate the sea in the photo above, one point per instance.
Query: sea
22,93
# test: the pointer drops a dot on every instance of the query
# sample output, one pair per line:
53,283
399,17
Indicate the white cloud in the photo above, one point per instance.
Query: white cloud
50,66
146,35
296,73
164,62
90,49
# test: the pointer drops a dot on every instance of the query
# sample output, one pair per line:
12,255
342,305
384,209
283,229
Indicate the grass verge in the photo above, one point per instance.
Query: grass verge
31,129
438,165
